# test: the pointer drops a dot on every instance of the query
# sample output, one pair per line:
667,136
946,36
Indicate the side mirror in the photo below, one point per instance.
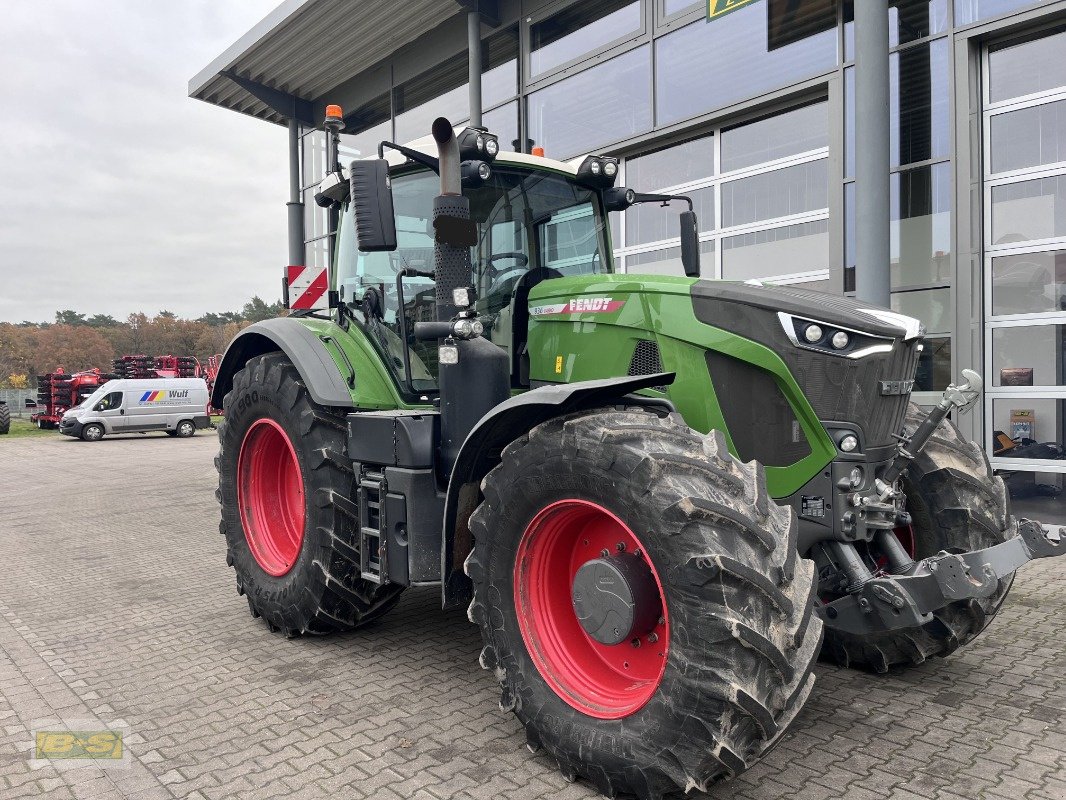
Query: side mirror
375,220
690,244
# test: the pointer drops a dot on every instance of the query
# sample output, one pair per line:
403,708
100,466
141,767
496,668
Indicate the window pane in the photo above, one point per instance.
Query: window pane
792,190
1026,421
1035,495
503,121
1027,68
672,166
777,251
416,122
919,106
579,30
1032,355
499,67
1029,210
668,261
365,143
908,21
921,226
967,11
782,135
1028,137
932,306
651,222
673,6
1031,283
596,107
704,66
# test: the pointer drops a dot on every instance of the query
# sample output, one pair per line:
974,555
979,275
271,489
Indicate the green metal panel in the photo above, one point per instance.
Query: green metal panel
574,345
374,387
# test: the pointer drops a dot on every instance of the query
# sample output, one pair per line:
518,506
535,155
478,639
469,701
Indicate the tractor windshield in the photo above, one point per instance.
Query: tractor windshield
526,220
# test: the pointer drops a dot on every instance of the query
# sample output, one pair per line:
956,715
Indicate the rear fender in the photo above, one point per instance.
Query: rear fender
324,381
505,423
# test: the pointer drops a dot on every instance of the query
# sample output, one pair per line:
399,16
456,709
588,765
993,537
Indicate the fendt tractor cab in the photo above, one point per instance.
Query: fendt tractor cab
653,493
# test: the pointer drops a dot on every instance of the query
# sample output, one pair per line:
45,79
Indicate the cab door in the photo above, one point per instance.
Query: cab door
109,410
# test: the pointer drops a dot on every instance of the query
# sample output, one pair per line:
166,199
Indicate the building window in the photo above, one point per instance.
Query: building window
600,106
763,214
967,11
908,21
707,66
1025,268
579,30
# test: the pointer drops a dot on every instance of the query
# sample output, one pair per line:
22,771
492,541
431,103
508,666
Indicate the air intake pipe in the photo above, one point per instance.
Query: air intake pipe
476,375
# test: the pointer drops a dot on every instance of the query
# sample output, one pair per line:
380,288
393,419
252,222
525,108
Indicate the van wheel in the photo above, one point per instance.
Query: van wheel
92,433
185,429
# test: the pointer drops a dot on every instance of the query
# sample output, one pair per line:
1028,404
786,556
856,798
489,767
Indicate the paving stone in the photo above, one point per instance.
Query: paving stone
116,602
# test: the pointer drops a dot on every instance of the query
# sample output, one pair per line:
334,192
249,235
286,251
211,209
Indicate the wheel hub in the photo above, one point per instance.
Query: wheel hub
616,598
590,609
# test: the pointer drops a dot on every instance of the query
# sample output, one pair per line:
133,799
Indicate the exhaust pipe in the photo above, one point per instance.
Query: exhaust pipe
478,375
454,233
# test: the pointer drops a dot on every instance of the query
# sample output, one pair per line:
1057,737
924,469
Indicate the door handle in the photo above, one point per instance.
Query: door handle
122,411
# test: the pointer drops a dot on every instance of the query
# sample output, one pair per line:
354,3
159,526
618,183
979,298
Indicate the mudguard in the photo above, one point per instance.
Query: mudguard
505,423
304,348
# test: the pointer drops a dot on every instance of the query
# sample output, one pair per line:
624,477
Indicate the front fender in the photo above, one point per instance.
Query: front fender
304,348
505,423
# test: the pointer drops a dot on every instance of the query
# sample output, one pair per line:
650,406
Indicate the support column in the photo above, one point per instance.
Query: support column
295,206
872,187
473,37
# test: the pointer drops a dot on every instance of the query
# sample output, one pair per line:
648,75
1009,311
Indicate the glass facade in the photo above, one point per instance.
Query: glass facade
756,126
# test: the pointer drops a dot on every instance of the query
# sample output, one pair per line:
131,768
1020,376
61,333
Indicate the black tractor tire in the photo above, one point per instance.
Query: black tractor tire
323,591
956,504
5,418
739,600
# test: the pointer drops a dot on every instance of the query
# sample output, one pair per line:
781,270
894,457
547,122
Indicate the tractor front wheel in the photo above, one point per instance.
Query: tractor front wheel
956,504
641,601
285,484
5,418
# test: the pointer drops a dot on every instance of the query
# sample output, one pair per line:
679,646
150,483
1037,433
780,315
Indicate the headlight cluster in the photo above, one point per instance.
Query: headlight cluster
599,171
478,144
831,338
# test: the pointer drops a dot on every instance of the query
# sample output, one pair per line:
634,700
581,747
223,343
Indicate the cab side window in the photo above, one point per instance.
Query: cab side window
111,401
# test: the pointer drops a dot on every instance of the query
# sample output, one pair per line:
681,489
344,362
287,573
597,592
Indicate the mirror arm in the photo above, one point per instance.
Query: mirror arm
413,155
661,198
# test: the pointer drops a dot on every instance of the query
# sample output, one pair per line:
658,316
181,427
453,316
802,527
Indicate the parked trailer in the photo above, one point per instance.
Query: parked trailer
58,391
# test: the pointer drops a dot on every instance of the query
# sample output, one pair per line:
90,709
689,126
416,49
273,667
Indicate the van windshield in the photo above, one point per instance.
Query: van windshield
526,219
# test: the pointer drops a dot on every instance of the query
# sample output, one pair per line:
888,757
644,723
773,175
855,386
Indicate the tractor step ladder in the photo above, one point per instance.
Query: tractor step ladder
371,493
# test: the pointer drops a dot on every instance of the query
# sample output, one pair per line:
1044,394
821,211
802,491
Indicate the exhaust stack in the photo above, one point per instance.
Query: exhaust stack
476,375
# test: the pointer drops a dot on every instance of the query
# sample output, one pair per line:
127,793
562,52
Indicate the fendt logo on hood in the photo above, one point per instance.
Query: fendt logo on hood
578,305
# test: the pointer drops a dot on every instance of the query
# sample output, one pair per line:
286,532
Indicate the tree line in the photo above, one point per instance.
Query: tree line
76,341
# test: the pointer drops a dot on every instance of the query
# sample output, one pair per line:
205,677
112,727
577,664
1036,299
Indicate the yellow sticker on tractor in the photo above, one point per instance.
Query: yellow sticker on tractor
558,365
718,8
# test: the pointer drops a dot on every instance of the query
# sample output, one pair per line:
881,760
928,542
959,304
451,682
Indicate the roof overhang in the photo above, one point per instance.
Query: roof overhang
302,49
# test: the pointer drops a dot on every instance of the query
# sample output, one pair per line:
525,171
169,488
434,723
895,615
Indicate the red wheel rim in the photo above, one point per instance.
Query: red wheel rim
270,494
602,681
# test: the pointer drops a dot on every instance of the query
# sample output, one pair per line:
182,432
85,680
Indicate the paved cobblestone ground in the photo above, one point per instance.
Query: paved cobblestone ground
116,604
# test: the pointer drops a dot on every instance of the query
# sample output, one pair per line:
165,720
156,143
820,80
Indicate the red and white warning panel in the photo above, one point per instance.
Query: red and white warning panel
307,287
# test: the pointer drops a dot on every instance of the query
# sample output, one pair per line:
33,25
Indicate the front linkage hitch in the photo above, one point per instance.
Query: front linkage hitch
909,596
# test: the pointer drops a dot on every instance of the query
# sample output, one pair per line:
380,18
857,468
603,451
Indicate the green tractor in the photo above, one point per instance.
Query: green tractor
655,495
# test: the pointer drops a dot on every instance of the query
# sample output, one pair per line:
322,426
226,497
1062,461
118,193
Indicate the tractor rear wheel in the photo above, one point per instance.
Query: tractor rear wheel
5,418
641,601
956,504
285,483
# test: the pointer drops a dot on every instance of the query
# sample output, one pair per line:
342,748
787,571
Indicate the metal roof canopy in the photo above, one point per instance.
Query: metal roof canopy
304,48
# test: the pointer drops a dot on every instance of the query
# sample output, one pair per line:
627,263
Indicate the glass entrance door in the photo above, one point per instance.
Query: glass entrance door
1024,141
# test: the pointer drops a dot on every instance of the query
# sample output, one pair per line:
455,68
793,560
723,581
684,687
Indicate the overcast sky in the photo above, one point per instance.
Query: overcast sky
119,193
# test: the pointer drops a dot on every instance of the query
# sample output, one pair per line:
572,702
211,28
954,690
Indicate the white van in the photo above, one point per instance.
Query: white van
176,406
